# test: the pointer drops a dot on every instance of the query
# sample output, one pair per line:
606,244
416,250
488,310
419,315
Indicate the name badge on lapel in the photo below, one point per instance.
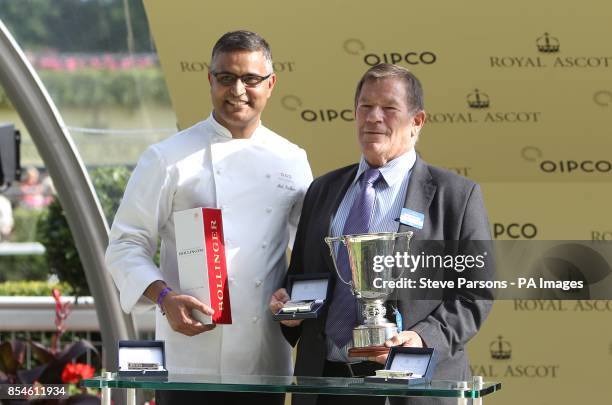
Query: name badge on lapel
412,218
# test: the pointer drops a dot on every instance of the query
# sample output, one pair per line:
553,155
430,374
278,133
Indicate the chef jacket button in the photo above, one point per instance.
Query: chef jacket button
269,210
258,283
218,171
255,319
268,175
264,245
231,279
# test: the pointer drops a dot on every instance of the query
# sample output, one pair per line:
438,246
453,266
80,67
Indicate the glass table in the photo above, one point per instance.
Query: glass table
462,390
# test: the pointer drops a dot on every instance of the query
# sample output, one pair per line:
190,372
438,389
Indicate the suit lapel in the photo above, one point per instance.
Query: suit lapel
421,190
338,187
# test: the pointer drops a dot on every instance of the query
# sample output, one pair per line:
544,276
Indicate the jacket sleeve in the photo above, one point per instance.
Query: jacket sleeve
133,238
296,266
459,316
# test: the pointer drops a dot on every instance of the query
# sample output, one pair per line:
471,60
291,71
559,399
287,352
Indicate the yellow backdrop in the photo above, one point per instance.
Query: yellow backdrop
519,98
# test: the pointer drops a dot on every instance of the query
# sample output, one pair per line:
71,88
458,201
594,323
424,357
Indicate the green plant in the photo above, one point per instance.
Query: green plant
61,254
58,363
109,183
26,220
53,231
94,88
77,25
31,288
24,267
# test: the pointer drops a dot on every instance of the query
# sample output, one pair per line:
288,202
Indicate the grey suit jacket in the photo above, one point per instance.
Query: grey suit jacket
453,209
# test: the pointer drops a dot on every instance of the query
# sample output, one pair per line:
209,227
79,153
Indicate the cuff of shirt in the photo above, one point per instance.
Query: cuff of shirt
133,288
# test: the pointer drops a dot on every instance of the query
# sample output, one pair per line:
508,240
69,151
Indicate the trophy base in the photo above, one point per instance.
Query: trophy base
370,351
373,335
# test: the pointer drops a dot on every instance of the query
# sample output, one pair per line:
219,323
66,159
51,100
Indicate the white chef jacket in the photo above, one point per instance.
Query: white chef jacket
259,184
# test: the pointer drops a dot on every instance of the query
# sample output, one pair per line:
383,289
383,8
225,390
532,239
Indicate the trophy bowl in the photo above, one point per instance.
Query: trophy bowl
364,253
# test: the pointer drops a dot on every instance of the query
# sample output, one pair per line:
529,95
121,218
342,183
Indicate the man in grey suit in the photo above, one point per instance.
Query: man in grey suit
369,197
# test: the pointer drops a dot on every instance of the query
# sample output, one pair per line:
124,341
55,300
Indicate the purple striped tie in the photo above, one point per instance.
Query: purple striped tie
343,316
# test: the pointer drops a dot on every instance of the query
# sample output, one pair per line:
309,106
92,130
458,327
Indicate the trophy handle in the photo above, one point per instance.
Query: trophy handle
407,235
330,242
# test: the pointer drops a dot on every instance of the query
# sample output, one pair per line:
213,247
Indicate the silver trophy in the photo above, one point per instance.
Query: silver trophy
362,250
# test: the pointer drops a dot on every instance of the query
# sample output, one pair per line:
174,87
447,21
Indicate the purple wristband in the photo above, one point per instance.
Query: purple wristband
161,296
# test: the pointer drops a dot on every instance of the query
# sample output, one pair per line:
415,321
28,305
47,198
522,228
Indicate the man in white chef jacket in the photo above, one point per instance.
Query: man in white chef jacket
258,179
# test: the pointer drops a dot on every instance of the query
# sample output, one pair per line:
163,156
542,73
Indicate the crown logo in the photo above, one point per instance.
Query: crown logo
547,44
476,99
500,349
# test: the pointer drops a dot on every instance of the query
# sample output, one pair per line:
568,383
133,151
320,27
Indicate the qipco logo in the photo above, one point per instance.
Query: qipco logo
411,58
357,47
328,115
514,230
570,166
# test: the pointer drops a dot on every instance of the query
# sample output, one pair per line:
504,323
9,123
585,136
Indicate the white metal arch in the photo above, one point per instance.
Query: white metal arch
75,191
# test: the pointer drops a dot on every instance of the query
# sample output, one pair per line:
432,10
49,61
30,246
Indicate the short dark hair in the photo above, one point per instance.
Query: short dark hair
242,41
414,90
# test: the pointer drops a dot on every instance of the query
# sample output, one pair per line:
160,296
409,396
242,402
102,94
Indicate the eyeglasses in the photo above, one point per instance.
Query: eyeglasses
249,80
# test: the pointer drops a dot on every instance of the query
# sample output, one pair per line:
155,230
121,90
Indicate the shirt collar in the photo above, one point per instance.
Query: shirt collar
224,132
394,171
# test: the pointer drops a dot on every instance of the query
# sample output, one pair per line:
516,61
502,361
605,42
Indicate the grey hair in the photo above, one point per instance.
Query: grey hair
414,89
